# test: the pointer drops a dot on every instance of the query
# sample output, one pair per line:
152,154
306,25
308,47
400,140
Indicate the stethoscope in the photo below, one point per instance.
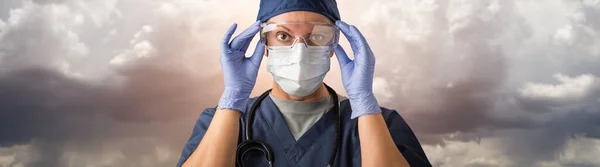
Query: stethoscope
250,144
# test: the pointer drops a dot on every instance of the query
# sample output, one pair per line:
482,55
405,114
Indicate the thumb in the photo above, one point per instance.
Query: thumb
341,56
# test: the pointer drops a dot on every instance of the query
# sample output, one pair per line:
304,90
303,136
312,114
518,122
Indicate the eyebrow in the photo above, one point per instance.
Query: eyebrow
287,29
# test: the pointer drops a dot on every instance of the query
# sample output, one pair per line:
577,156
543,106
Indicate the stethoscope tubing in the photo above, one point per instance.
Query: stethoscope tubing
266,149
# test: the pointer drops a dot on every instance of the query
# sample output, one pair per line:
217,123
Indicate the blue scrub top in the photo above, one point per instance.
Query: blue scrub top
316,145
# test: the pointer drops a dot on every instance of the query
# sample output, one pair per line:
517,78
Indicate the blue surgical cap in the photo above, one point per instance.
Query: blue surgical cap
270,8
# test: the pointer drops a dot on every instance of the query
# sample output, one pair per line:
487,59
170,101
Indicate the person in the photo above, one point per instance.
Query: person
298,119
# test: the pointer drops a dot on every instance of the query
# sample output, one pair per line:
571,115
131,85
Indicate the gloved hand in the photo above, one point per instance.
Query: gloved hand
239,72
357,74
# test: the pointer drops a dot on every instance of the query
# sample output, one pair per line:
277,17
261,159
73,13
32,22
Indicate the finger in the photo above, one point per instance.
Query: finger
360,39
242,41
346,30
258,54
246,45
341,56
227,37
361,44
344,27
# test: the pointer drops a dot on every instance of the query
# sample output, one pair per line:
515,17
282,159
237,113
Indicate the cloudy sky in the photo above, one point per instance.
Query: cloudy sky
483,83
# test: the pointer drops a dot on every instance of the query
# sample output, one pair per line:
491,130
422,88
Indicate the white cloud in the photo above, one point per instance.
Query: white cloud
493,152
2,25
142,49
101,12
466,153
15,156
112,32
583,30
581,151
565,35
569,88
113,154
460,64
381,90
42,35
6,155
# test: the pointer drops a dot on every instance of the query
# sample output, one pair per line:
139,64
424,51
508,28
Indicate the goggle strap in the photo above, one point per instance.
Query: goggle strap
269,27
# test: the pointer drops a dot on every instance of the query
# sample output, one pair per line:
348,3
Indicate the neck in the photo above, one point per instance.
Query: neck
320,93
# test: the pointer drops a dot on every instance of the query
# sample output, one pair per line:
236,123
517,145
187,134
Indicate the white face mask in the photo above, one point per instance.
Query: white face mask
298,70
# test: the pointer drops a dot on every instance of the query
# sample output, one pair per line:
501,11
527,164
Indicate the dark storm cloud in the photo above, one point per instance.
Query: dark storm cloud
464,67
155,94
48,109
450,66
551,123
462,102
30,101
141,110
466,89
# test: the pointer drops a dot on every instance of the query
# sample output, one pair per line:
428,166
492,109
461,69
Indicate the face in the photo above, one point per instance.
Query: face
285,35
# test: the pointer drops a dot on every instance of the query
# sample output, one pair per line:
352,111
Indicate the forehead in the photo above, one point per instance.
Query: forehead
299,16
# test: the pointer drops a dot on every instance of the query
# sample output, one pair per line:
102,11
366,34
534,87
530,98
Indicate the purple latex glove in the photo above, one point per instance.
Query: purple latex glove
357,74
239,72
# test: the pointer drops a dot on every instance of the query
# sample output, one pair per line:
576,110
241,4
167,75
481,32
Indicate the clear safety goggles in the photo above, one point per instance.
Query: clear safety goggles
290,33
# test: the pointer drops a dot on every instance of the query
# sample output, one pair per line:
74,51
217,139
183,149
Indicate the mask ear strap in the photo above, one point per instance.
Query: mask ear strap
266,51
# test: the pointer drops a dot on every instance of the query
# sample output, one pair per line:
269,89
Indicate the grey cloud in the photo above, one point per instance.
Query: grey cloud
43,2
32,39
6,6
56,111
50,104
464,64
455,70
468,81
25,106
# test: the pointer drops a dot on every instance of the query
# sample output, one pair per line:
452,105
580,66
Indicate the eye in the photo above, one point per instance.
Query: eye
282,36
316,37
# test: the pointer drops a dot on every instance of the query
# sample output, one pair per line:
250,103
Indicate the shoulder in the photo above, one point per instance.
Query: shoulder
392,117
404,138
402,135
397,126
399,129
198,132
208,112
203,121
205,117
